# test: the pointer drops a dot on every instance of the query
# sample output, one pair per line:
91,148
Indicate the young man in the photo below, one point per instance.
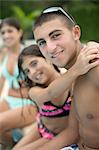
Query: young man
58,38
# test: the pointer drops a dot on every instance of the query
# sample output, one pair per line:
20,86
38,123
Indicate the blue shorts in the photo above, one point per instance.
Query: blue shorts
16,134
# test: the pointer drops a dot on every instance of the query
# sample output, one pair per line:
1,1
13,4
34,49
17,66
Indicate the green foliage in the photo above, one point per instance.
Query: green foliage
26,20
87,16
85,12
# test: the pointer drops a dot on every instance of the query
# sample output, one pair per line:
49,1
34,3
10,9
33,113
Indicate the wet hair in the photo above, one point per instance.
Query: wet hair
32,50
11,22
45,17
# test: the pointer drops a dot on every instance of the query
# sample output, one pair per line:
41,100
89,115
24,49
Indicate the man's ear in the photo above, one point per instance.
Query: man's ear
76,32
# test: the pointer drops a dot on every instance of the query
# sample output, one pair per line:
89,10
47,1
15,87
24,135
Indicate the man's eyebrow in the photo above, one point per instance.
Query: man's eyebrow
38,40
54,32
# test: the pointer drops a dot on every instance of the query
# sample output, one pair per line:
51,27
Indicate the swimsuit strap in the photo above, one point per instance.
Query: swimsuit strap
51,110
12,79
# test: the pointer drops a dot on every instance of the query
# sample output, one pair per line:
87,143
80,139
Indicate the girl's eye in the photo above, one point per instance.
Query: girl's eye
33,63
41,43
8,31
2,33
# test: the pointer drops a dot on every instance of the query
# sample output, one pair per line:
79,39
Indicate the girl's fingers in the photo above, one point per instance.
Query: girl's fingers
94,64
88,50
93,50
93,56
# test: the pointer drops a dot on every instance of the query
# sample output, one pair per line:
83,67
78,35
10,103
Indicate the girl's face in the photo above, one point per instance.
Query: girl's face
38,69
10,35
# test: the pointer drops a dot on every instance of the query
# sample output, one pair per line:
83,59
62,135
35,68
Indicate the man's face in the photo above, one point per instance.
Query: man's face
56,42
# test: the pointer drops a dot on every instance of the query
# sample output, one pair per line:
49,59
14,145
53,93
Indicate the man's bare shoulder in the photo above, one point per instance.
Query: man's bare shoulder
93,76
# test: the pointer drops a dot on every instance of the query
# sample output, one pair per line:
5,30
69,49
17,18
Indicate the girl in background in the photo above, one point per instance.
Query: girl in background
12,104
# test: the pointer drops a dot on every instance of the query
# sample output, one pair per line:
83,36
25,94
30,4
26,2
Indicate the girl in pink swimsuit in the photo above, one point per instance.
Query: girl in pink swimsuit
53,114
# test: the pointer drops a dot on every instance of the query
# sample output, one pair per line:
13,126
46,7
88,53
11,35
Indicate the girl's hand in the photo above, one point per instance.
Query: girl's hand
83,63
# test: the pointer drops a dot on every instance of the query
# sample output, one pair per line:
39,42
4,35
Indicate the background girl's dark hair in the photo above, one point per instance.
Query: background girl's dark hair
32,50
12,22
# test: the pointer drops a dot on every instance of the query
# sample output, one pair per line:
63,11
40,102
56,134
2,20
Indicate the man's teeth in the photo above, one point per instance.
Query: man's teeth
58,53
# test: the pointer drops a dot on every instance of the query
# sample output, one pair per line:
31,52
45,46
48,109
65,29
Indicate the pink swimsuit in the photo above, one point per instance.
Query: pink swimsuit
51,110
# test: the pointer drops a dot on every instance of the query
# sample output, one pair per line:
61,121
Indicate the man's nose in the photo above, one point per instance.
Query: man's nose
51,46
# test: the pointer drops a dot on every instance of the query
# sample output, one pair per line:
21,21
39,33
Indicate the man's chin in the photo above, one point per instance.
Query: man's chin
60,65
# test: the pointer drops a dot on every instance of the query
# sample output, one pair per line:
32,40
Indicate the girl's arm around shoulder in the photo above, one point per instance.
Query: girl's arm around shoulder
39,95
55,88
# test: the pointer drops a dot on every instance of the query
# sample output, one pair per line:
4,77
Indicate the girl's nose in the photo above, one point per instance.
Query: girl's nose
33,71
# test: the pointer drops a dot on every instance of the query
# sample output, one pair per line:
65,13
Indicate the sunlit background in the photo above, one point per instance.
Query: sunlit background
85,12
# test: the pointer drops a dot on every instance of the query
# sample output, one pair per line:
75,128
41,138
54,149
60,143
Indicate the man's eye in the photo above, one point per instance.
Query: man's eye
56,35
41,43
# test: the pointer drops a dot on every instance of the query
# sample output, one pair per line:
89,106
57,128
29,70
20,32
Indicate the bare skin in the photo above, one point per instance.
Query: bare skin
57,125
84,118
53,41
25,114
49,74
86,96
61,46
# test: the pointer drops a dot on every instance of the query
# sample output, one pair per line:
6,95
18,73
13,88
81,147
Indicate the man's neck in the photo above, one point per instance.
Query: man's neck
73,60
